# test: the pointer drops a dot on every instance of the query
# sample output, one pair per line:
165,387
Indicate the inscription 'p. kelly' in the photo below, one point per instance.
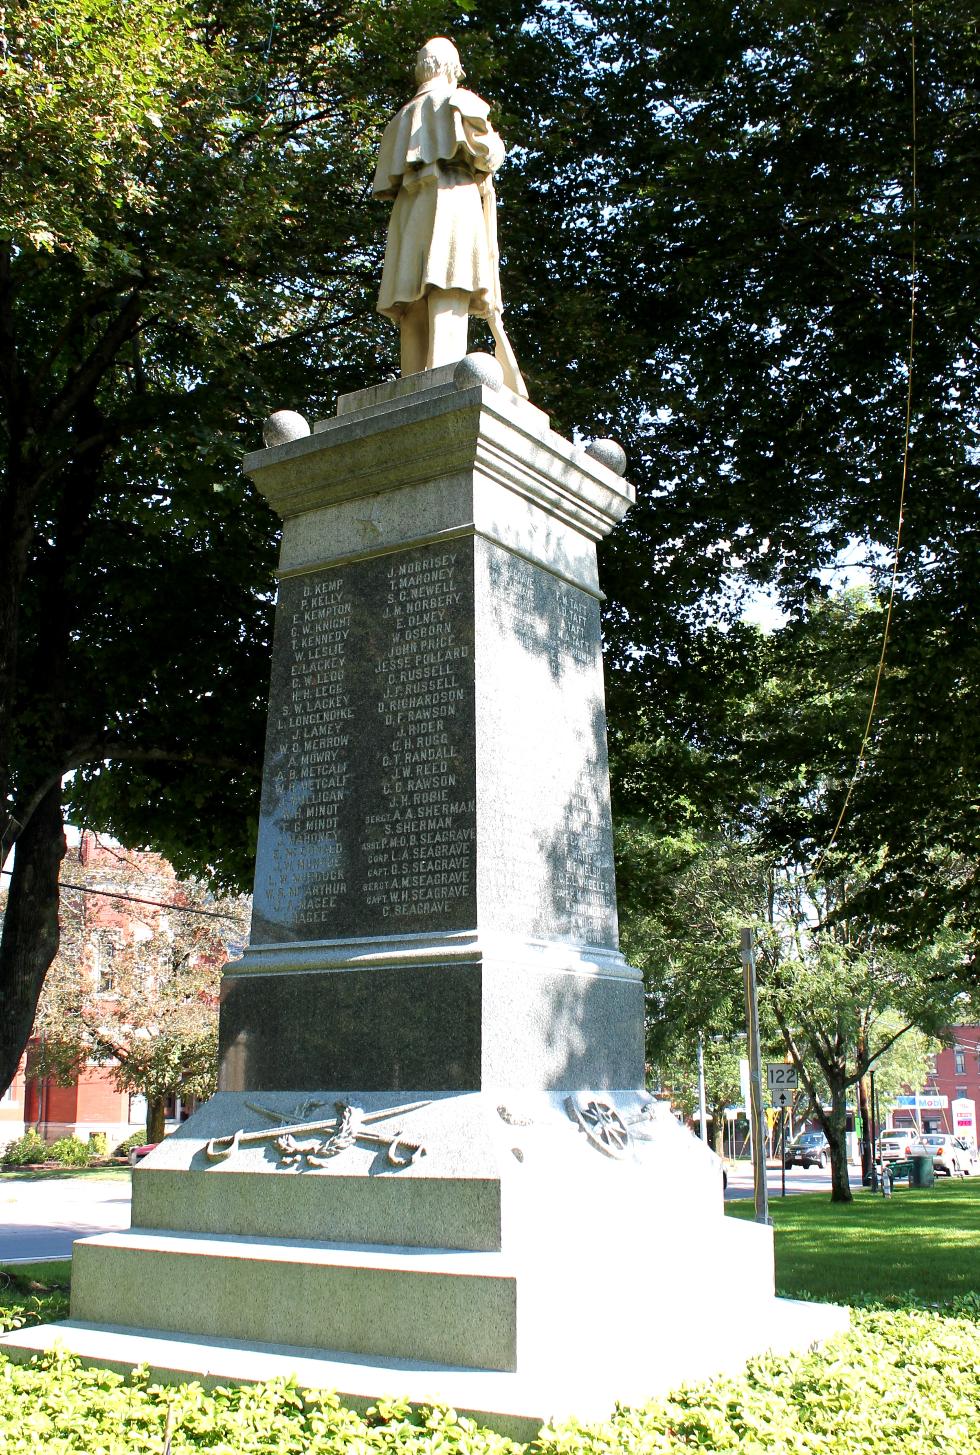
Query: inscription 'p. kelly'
368,815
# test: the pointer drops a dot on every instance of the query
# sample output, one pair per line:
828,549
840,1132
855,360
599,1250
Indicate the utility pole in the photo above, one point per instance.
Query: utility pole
756,1115
702,1097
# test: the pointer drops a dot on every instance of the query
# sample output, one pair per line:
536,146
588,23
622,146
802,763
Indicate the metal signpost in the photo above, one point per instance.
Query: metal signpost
757,1121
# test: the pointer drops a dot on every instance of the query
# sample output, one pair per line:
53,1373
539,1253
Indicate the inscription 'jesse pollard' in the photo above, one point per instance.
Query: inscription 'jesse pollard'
337,728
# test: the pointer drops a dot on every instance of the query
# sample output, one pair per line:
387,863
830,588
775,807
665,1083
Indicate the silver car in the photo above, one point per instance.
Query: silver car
949,1154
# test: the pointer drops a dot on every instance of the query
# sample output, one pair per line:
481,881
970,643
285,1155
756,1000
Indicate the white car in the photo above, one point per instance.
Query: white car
898,1146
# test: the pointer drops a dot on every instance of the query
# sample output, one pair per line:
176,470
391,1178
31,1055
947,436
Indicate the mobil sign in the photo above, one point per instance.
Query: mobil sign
964,1113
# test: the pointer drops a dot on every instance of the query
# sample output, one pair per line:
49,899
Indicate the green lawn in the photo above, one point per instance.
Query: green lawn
923,1244
51,1271
118,1173
32,1293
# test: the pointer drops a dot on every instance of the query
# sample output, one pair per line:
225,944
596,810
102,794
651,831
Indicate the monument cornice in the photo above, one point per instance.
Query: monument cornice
444,434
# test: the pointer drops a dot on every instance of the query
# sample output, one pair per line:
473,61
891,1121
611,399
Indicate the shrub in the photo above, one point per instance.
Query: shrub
135,1139
98,1144
26,1150
71,1152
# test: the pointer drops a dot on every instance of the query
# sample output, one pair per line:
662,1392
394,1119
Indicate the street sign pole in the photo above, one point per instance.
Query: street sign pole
783,1157
757,1119
702,1098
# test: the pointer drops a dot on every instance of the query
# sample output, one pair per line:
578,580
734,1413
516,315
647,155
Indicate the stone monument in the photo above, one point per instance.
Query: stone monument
431,1168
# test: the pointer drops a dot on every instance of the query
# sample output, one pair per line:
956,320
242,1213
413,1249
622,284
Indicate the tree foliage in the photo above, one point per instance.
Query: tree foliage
837,991
185,244
842,997
707,231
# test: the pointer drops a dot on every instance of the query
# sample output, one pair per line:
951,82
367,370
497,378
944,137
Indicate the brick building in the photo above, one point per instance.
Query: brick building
101,919
955,1075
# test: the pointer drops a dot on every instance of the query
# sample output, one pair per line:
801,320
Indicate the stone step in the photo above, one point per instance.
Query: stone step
436,1305
552,1386
461,1213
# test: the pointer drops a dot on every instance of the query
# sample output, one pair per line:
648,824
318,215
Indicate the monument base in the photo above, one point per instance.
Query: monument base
526,1259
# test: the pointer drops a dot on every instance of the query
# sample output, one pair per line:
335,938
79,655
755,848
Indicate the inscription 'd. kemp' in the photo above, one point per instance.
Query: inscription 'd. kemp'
368,812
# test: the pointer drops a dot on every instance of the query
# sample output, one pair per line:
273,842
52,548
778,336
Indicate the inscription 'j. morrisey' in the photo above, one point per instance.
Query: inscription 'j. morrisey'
368,801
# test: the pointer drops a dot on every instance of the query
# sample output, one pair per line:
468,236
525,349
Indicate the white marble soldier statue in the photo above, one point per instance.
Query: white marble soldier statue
437,160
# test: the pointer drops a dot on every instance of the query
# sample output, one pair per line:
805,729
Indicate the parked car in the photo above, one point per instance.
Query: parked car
971,1164
897,1146
810,1149
138,1153
949,1154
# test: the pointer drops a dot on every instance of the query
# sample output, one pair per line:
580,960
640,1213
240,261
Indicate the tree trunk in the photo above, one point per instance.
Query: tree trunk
864,1108
30,928
718,1129
835,1127
156,1118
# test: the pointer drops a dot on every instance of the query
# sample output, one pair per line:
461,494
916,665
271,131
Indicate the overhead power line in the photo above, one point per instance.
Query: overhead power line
135,899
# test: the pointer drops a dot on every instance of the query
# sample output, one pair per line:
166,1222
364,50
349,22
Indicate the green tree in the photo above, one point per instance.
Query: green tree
185,244
729,216
836,990
842,997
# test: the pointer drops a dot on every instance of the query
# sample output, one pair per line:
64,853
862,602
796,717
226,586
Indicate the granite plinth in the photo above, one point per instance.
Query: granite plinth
436,757
436,776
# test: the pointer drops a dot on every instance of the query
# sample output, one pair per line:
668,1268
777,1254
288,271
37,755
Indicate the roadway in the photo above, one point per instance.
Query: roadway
798,1179
41,1219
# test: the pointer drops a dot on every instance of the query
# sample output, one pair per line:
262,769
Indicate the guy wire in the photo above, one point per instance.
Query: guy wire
863,750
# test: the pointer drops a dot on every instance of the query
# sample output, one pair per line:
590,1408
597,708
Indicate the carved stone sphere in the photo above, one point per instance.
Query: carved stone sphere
283,426
608,453
478,369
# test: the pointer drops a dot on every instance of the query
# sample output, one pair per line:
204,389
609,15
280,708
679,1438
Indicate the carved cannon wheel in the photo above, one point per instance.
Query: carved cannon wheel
603,1126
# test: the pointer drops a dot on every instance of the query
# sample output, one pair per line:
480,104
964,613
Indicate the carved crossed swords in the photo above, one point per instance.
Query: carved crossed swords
343,1130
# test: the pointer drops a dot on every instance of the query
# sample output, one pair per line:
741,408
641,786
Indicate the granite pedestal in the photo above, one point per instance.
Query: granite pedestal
431,1168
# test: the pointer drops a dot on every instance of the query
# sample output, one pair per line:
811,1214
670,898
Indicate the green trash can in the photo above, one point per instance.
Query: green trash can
923,1173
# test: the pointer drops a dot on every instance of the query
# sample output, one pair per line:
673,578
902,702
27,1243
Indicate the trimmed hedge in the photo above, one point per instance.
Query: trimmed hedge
901,1380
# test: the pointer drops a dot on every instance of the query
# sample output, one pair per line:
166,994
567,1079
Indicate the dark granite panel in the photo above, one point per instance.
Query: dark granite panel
447,1028
367,821
378,1030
